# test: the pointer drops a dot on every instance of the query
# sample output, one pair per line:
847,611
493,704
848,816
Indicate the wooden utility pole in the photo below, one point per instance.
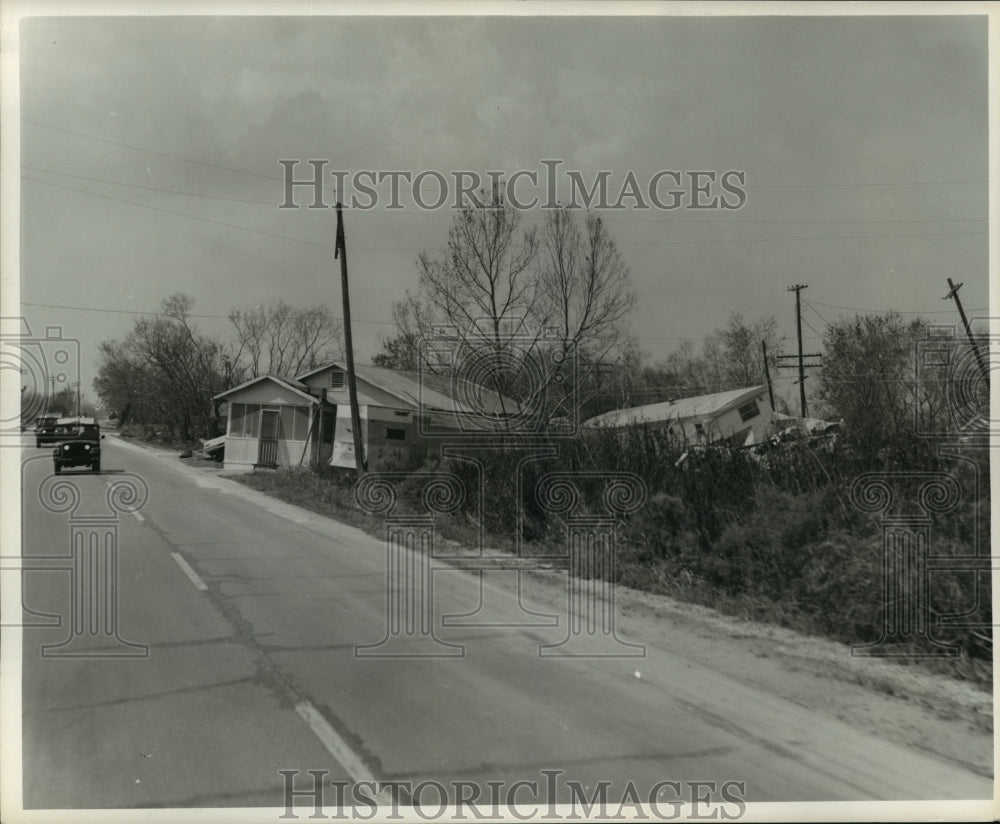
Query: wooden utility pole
352,387
767,374
798,324
953,294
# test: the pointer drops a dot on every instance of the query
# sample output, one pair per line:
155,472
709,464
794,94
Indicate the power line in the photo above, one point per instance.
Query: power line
811,185
624,243
809,303
866,183
191,315
808,237
894,311
148,188
183,214
149,151
632,217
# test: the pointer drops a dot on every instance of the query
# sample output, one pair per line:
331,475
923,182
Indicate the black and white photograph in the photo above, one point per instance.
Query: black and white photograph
547,411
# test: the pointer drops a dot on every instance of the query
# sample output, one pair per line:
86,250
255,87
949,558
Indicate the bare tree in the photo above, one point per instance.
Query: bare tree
278,339
483,286
406,350
585,298
529,309
479,297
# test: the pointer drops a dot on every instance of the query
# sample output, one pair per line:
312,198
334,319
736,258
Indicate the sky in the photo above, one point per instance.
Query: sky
150,149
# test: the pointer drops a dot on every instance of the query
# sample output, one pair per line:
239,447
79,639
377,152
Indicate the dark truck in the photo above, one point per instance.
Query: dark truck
79,445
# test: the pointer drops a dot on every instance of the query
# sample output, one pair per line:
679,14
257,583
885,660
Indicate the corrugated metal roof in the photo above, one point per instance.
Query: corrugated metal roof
429,390
700,406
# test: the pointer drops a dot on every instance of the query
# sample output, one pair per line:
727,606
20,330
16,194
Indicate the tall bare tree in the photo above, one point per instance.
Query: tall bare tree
585,298
483,286
279,339
529,308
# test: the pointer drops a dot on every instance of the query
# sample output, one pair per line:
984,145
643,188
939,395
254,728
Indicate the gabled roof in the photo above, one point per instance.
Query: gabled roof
698,407
286,383
427,390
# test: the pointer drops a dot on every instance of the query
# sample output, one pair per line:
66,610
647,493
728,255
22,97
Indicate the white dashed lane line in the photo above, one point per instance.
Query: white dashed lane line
135,513
186,567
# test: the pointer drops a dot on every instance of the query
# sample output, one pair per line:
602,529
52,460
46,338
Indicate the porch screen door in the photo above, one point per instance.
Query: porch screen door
267,450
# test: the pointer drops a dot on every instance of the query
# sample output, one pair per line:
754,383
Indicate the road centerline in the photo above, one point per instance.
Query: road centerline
189,571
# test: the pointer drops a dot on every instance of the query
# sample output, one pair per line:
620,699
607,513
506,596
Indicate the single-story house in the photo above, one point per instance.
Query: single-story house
739,416
281,421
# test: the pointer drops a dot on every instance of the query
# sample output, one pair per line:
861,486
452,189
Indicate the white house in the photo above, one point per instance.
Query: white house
271,421
280,421
740,416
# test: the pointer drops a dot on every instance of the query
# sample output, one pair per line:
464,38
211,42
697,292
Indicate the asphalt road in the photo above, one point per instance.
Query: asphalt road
252,617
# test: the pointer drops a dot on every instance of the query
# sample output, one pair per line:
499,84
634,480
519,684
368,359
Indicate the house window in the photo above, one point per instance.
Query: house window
251,427
336,379
749,411
700,430
287,430
301,426
236,414
394,434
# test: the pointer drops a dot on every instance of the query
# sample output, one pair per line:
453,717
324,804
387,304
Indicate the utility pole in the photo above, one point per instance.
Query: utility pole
352,387
953,294
798,324
767,374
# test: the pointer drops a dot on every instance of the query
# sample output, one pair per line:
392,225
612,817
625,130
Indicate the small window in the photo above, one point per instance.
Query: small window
287,430
700,429
394,434
301,427
749,411
236,419
252,421
336,379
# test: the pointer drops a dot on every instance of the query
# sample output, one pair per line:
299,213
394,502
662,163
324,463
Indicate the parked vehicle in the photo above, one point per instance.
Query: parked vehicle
45,428
80,445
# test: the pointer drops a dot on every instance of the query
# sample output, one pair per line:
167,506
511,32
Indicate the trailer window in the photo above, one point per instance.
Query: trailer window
749,411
